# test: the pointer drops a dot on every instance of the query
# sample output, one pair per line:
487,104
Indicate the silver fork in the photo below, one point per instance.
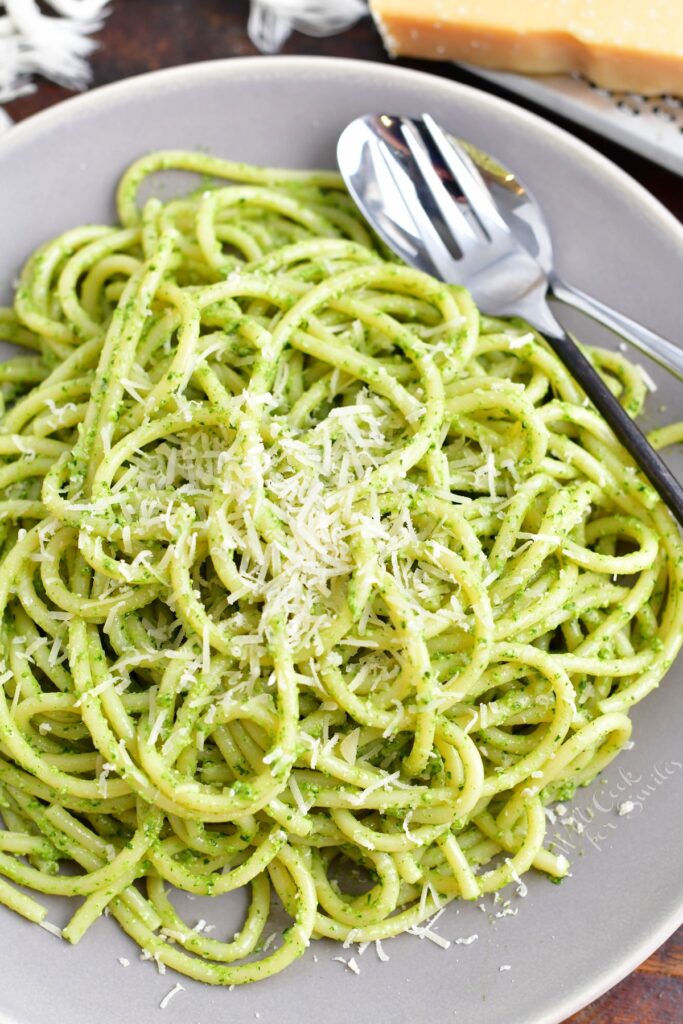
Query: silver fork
466,241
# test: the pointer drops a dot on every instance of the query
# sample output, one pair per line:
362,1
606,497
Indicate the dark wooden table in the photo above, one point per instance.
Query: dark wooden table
142,35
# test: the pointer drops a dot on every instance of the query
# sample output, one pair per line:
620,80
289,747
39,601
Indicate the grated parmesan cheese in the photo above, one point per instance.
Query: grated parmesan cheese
647,379
51,928
381,955
171,995
348,747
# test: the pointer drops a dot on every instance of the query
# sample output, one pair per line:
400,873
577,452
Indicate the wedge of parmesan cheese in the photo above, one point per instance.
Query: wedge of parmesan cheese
624,45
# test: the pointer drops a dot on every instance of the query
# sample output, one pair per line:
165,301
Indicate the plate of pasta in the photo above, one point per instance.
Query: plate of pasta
335,624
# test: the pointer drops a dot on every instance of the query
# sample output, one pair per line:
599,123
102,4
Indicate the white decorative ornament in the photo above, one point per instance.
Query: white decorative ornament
271,21
55,46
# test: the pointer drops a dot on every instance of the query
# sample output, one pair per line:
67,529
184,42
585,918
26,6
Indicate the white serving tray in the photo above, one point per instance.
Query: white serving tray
650,125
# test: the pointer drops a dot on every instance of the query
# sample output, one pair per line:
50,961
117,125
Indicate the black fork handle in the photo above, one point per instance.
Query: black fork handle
630,435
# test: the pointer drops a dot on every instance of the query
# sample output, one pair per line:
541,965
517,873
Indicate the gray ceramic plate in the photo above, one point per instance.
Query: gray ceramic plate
565,945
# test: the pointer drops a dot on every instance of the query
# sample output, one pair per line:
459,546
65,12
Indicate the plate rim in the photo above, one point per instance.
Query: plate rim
97,100
99,96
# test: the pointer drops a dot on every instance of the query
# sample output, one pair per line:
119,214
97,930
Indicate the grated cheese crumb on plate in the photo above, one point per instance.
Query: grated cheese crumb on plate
171,995
51,928
381,955
647,379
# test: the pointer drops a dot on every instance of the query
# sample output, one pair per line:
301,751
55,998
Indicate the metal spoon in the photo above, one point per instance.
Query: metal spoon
525,217
450,227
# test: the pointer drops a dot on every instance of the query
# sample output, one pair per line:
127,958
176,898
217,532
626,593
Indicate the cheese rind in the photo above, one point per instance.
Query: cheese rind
623,45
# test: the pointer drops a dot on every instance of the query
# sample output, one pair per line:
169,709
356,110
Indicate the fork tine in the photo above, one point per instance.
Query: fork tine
454,219
468,178
441,258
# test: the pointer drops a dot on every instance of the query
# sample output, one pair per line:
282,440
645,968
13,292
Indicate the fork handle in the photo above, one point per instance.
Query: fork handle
664,352
632,438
